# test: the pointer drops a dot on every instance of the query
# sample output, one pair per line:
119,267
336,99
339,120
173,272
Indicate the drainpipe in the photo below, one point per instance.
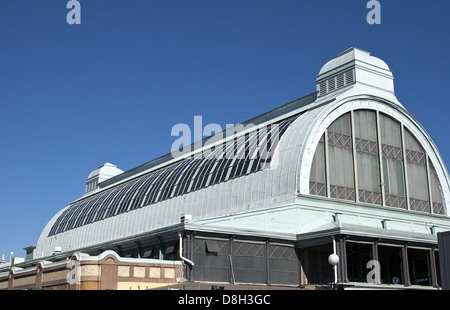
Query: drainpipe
181,252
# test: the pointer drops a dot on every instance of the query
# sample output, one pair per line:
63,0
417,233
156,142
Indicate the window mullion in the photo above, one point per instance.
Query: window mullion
327,164
380,160
355,169
405,167
429,184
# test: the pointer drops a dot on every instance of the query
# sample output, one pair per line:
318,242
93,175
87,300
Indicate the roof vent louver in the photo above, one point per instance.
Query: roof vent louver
336,82
349,77
323,87
331,84
340,81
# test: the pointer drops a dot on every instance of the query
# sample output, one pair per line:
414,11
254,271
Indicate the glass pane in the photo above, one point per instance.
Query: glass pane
416,164
436,192
419,267
358,255
206,169
211,266
341,159
390,259
248,261
283,265
317,184
387,187
367,160
393,172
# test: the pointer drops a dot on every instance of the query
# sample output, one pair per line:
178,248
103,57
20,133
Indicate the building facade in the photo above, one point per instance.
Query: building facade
107,271
345,170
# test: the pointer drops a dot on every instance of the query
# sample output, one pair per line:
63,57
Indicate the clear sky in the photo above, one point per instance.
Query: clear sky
110,89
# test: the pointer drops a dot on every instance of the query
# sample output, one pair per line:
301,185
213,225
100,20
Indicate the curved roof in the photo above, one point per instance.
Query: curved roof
144,200
208,187
351,55
104,172
187,175
222,177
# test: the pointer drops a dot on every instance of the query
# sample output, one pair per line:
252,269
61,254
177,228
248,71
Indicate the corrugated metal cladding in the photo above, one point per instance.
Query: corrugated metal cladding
203,185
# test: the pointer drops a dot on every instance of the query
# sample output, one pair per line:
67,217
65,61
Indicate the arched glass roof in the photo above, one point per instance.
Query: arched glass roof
247,153
369,157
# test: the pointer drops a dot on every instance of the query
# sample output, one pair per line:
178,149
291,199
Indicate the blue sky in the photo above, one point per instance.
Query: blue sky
73,97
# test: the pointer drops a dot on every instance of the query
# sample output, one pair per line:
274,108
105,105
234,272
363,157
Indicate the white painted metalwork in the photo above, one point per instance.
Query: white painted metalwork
273,201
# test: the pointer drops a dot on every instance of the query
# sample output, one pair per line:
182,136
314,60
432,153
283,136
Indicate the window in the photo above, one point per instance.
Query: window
393,171
315,265
380,163
170,251
390,259
436,192
283,265
211,259
340,158
366,144
247,153
248,262
211,247
419,267
150,252
317,184
416,163
358,255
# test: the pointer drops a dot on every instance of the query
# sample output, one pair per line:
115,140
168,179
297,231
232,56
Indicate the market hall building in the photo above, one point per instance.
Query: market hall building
345,170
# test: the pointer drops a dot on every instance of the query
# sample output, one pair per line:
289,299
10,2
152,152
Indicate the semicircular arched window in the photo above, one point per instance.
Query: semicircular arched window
368,157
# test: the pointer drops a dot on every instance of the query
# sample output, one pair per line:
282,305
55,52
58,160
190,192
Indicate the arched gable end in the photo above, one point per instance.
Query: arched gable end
370,150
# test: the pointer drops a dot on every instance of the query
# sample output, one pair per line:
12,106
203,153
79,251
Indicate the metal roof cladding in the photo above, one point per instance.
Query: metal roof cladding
151,198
